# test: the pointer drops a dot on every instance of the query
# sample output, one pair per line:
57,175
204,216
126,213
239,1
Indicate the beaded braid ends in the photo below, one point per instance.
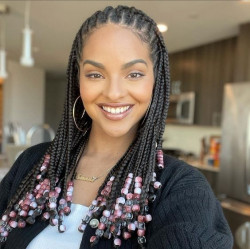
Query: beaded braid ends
123,219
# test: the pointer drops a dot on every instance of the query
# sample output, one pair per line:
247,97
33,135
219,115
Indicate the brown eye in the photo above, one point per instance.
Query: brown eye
135,75
94,76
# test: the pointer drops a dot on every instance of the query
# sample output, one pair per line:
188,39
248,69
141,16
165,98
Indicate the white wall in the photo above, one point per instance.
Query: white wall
187,138
24,95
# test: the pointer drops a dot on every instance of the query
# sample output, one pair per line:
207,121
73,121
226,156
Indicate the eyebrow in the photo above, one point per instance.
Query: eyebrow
125,66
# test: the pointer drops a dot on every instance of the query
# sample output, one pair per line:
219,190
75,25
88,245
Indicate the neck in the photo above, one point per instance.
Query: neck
102,145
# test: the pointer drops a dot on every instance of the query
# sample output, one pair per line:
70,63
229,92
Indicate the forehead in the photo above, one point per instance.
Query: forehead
115,41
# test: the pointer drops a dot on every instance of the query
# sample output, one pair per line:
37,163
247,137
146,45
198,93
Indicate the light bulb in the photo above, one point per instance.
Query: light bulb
26,59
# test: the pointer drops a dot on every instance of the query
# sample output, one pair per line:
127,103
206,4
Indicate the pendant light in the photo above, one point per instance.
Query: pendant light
3,72
27,59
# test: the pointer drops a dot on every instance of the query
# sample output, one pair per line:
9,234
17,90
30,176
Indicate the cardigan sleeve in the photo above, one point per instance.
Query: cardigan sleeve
6,184
18,171
188,215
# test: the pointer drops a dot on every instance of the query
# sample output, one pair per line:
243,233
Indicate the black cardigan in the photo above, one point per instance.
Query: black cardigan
186,214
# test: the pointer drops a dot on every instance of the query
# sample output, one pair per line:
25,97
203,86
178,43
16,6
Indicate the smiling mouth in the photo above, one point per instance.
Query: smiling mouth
115,110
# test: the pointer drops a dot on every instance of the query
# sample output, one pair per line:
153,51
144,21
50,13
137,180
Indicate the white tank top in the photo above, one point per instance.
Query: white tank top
50,238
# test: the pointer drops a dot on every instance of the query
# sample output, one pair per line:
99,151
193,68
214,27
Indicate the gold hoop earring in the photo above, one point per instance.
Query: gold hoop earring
74,106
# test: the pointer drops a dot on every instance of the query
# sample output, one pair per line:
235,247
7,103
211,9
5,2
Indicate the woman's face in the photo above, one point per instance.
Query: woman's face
116,80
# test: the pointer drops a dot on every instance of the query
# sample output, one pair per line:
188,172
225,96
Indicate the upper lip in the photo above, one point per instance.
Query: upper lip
114,104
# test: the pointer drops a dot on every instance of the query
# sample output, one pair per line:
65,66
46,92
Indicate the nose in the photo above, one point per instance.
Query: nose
114,89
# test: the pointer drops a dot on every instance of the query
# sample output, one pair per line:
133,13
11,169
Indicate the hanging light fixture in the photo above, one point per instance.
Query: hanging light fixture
26,59
3,72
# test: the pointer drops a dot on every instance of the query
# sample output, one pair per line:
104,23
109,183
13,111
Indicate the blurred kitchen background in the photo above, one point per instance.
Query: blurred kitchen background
209,116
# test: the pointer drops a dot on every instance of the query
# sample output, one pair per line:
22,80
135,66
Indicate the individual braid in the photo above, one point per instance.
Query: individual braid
122,202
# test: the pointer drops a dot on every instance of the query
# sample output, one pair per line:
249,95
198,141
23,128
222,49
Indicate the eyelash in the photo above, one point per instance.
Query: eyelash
93,75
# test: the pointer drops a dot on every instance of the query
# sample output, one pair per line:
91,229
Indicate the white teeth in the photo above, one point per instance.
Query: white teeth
115,110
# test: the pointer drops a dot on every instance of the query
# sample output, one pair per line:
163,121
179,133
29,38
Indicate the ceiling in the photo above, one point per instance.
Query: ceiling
55,23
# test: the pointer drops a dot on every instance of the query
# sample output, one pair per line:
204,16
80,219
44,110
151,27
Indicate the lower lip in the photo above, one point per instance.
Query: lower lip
118,116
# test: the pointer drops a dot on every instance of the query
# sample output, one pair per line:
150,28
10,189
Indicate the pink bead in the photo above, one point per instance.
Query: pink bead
120,200
70,188
52,194
55,222
138,179
141,218
140,232
126,235
23,213
130,175
46,215
101,226
109,183
69,198
112,218
66,210
117,207
137,191
52,205
136,196
62,228
58,190
131,226
118,213
13,224
99,198
38,196
70,183
62,202
33,205
40,191
2,229
5,217
124,191
128,180
38,187
148,218
138,185
92,239
4,234
69,193
43,168
123,216
157,185
12,214
117,242
46,181
112,228
126,185
128,209
82,227
94,202
21,224
161,166
38,177
136,208
129,196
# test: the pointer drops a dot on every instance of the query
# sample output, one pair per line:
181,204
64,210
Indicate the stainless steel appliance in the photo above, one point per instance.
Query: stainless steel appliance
181,108
234,177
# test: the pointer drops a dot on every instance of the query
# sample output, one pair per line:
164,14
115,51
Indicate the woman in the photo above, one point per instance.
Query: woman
107,155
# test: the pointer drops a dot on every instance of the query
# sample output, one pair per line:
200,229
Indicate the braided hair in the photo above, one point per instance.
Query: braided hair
140,160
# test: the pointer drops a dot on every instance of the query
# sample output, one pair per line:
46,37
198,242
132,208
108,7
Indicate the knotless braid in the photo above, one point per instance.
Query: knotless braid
123,198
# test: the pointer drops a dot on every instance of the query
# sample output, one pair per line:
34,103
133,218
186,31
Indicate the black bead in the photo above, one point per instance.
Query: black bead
8,228
106,233
146,209
104,220
99,232
129,216
129,203
141,240
37,212
87,219
152,198
41,200
16,207
141,225
30,220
